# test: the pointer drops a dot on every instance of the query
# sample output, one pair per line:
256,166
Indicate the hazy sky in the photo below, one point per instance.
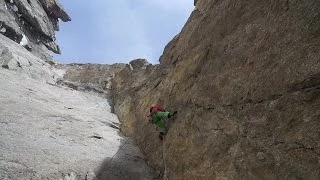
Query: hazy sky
110,31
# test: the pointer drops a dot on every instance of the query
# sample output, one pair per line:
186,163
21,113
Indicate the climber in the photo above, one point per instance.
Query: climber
156,116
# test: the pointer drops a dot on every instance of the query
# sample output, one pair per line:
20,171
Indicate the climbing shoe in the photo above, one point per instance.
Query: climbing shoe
172,114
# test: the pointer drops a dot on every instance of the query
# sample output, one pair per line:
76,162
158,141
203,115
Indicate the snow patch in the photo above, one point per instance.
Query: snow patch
3,30
24,40
131,68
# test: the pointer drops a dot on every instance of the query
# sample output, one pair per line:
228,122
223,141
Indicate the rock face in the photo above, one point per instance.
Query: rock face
245,79
124,86
32,24
16,58
50,131
243,75
54,9
96,77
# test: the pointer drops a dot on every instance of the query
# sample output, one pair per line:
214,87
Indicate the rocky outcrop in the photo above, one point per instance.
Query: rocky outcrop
32,24
54,9
90,77
8,25
15,57
244,77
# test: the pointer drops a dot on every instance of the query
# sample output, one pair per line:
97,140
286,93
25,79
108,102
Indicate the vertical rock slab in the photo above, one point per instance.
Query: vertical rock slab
244,77
49,131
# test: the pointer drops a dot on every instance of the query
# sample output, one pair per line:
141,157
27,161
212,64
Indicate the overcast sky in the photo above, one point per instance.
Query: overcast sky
110,31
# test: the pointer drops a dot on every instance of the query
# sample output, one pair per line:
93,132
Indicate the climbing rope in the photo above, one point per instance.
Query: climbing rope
164,164
116,153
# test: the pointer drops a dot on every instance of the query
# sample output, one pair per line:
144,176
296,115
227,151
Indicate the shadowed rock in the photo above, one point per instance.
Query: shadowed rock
53,8
32,24
34,14
7,23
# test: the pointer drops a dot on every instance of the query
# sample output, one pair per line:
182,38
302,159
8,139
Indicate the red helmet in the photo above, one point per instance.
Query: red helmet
156,107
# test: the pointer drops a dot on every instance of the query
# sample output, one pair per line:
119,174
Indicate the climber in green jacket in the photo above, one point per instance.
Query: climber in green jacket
157,114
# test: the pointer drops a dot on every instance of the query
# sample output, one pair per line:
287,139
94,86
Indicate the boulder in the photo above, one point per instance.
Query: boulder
138,64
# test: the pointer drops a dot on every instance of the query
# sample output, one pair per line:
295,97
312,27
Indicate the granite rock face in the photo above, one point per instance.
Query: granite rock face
245,79
90,77
51,131
32,24
124,86
16,58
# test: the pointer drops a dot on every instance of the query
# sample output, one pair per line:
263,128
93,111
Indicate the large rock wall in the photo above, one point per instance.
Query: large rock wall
244,77
32,23
49,131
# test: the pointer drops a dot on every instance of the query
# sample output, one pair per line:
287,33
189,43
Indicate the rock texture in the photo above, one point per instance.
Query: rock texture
54,9
32,23
15,57
124,86
245,79
243,75
50,131
90,77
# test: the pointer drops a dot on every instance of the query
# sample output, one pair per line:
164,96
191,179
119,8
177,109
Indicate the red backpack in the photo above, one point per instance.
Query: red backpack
156,108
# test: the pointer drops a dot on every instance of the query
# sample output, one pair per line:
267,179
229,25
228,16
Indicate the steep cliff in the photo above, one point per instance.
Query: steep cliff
48,130
243,75
245,79
32,24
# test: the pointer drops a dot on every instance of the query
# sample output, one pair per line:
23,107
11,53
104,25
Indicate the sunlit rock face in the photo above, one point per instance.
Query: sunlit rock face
90,77
244,77
56,120
32,23
52,131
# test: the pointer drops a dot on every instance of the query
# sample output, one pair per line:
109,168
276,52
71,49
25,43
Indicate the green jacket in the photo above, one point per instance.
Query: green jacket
157,118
